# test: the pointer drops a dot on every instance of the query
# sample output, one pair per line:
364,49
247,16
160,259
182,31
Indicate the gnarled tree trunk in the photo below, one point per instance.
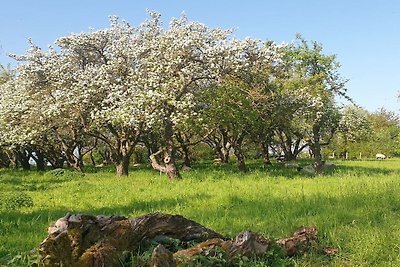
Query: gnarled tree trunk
169,164
121,156
85,240
122,166
168,167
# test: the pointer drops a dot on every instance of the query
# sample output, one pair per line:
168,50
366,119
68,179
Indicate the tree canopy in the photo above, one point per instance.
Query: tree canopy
124,88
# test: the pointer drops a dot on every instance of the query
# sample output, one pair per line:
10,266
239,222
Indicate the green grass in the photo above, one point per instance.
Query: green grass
356,207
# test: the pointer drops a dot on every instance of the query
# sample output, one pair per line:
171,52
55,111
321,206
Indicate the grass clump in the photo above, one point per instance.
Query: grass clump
64,173
15,200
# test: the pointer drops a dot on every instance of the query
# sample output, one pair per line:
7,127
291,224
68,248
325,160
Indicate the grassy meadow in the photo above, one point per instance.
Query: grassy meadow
356,206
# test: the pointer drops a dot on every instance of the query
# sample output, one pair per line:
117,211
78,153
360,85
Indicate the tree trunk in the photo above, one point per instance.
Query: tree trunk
122,166
220,146
289,156
73,161
92,158
184,140
23,158
241,162
226,146
297,148
55,158
13,158
222,155
238,151
319,163
249,244
291,149
169,167
345,152
187,159
316,150
85,240
4,160
265,153
57,164
240,159
225,154
94,241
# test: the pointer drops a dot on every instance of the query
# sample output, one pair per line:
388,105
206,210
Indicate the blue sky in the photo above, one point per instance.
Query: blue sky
365,35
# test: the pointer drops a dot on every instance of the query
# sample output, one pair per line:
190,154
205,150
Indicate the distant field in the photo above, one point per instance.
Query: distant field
356,206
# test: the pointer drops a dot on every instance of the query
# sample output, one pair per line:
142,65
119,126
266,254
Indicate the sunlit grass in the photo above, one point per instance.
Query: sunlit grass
356,207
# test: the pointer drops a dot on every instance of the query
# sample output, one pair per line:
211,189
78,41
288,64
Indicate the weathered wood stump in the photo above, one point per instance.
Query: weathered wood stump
86,240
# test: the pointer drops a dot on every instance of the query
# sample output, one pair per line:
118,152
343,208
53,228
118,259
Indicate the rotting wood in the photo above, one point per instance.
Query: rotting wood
86,240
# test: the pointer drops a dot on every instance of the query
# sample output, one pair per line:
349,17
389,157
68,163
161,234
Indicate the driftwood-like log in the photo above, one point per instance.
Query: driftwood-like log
247,243
305,238
85,240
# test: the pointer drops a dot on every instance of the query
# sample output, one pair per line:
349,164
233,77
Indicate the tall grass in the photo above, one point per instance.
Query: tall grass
356,206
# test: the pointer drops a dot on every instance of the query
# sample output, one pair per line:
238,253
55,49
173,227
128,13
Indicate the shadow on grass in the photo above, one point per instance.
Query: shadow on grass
274,170
19,183
363,171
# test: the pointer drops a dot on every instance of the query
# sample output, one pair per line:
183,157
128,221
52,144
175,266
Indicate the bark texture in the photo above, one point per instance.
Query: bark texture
86,240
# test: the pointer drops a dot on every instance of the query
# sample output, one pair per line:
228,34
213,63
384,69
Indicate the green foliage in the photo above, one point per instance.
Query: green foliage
362,133
203,152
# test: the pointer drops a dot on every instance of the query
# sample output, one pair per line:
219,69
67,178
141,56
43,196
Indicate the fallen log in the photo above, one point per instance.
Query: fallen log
246,243
86,240
305,238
